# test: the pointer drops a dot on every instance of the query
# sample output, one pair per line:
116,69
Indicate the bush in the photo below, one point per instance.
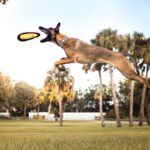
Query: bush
111,113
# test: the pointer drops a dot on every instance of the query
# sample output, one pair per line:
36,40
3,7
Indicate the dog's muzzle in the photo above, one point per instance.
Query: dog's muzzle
46,31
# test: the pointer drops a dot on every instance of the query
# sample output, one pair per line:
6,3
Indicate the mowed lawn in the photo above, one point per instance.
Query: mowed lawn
42,135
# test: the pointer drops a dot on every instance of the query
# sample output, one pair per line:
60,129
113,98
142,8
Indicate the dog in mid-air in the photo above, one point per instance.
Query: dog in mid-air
78,51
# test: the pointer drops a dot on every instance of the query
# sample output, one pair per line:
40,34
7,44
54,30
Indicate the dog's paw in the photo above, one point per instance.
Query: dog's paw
60,67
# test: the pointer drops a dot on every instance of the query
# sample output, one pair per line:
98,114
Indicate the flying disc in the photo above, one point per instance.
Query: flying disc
25,36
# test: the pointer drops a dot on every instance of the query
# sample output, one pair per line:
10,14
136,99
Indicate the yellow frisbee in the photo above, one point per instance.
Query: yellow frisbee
25,36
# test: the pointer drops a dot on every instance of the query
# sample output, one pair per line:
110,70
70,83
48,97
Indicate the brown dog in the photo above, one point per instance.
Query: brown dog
81,52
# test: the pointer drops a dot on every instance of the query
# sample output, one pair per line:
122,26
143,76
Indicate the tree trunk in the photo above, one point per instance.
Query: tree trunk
101,112
60,113
25,111
49,111
148,113
116,104
131,103
49,108
141,118
60,107
38,110
101,101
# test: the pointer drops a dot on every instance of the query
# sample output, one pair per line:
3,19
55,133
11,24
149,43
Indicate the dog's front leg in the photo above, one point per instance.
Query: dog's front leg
64,61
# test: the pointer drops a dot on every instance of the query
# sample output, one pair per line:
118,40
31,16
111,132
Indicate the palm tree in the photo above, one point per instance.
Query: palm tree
60,87
108,38
51,90
99,94
134,48
124,45
139,53
66,89
146,60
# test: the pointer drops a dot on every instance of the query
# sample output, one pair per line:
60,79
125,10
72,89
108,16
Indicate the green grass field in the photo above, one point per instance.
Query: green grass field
36,135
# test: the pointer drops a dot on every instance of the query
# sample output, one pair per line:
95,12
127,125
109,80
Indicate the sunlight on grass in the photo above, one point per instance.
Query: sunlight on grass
22,135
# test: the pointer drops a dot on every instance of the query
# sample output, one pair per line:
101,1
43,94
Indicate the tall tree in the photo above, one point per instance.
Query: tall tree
50,89
138,50
61,87
40,98
139,54
134,48
145,52
125,45
147,62
99,95
7,94
108,38
66,89
25,96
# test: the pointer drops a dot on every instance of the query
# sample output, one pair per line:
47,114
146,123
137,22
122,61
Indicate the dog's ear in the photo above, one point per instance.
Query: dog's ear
57,27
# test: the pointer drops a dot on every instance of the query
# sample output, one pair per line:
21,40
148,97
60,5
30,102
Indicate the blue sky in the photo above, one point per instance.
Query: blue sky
82,19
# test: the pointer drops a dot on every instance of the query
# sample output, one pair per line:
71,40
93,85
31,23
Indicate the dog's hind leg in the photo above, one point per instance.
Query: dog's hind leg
124,66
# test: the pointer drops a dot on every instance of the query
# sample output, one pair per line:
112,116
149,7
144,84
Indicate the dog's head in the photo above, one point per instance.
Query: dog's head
51,33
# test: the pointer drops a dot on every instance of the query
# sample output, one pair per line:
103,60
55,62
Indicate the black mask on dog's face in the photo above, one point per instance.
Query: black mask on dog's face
50,32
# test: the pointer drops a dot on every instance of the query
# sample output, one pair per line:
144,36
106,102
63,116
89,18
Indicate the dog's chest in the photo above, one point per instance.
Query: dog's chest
69,52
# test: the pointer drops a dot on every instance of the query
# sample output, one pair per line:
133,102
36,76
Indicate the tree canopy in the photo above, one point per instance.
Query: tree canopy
25,95
7,94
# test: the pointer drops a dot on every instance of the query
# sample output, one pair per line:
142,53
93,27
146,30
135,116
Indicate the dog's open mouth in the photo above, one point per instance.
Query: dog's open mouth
46,31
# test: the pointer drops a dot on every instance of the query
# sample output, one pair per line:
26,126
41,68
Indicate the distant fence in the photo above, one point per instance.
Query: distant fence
66,115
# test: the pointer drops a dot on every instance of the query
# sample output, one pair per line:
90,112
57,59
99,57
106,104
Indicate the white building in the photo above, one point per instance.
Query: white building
67,115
